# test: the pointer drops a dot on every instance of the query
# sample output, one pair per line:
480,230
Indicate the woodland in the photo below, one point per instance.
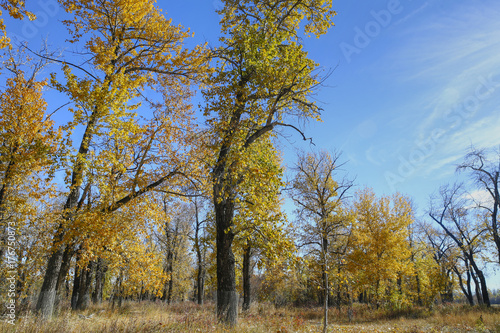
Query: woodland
145,205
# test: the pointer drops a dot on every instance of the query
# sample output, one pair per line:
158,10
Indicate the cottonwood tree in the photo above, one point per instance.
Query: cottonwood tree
320,194
28,143
259,222
174,242
379,253
451,211
263,80
486,173
132,47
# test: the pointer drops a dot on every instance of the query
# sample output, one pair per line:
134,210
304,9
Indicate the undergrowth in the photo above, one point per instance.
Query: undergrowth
189,317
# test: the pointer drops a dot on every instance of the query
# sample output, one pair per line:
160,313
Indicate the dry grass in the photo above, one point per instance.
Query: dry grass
188,317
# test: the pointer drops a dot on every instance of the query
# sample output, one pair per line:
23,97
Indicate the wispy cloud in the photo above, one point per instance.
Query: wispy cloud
454,62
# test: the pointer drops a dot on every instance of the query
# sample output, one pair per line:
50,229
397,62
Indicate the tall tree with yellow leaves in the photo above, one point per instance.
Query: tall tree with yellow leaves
132,48
263,81
259,222
380,253
28,141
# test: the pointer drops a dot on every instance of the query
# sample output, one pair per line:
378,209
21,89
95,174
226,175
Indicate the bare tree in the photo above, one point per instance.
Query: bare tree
452,213
486,174
444,254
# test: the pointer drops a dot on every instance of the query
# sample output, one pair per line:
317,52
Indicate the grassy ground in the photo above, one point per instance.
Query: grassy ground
188,317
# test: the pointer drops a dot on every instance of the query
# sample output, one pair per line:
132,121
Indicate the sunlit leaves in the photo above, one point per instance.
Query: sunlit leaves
380,250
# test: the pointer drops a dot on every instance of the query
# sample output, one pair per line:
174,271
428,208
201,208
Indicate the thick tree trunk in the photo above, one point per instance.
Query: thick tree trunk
47,297
465,288
227,297
447,295
100,278
76,284
483,292
200,284
469,289
477,288
63,273
484,288
83,300
246,278
117,294
170,271
496,206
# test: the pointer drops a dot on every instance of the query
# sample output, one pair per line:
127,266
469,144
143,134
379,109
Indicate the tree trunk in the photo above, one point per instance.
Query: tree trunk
200,285
419,291
76,288
83,300
484,289
496,206
477,287
227,297
469,288
117,294
63,273
465,288
246,278
200,276
170,271
170,289
47,297
326,290
77,279
100,278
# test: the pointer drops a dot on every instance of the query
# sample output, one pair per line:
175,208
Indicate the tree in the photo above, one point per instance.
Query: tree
132,47
199,248
379,254
444,255
320,200
450,211
263,80
173,241
259,222
486,174
28,141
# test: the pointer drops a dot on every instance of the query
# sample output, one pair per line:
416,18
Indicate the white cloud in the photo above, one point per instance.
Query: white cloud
448,58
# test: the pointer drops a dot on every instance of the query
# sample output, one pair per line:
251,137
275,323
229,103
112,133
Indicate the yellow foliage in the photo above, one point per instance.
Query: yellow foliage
380,251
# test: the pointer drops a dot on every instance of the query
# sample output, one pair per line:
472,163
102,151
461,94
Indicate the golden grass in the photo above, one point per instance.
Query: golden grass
188,317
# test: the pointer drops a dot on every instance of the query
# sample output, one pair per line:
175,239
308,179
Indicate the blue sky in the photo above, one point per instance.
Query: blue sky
416,83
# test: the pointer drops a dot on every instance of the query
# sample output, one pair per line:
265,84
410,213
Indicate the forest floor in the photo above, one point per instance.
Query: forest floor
188,317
